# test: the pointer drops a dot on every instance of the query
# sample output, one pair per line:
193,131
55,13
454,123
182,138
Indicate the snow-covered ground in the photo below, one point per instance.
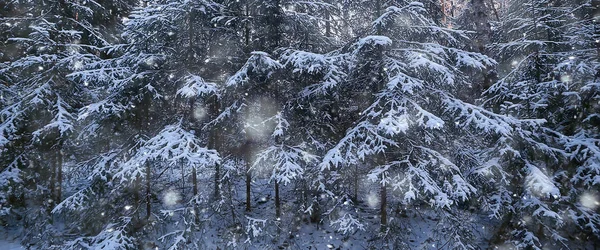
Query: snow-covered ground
8,245
8,242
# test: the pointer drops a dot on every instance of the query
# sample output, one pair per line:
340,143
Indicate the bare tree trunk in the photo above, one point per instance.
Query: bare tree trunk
377,85
248,157
378,9
493,6
59,177
214,144
217,181
247,28
444,14
182,179
194,181
136,196
355,182
248,189
277,201
147,102
383,208
52,184
246,147
327,23
195,192
231,206
148,194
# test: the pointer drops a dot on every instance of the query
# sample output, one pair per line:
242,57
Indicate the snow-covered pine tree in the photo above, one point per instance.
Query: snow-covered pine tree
405,76
262,97
42,43
580,67
316,75
477,17
147,138
263,27
150,101
537,58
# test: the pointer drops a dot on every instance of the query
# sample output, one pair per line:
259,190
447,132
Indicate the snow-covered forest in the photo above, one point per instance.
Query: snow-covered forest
288,124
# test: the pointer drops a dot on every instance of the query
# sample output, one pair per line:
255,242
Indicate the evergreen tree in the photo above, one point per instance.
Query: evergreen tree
182,124
535,51
405,82
44,43
155,72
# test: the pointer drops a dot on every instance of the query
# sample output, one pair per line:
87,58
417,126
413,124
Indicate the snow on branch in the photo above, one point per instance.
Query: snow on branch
12,173
362,140
258,63
433,63
315,64
281,125
173,145
196,86
415,19
539,183
372,41
113,237
63,120
103,107
472,59
75,202
422,179
395,70
9,116
287,161
427,119
254,228
394,122
586,150
347,223
392,12
481,119
178,238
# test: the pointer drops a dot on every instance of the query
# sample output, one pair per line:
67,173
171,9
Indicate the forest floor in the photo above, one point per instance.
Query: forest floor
8,241
413,228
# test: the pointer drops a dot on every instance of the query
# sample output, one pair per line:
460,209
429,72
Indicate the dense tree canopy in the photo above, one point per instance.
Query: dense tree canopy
178,124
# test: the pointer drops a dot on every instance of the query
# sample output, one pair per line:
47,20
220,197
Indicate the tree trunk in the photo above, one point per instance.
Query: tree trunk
248,189
443,5
495,11
383,208
277,201
214,144
195,192
377,15
217,182
182,179
327,23
194,182
248,180
231,206
52,184
59,176
148,194
248,175
377,85
355,183
136,196
247,28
